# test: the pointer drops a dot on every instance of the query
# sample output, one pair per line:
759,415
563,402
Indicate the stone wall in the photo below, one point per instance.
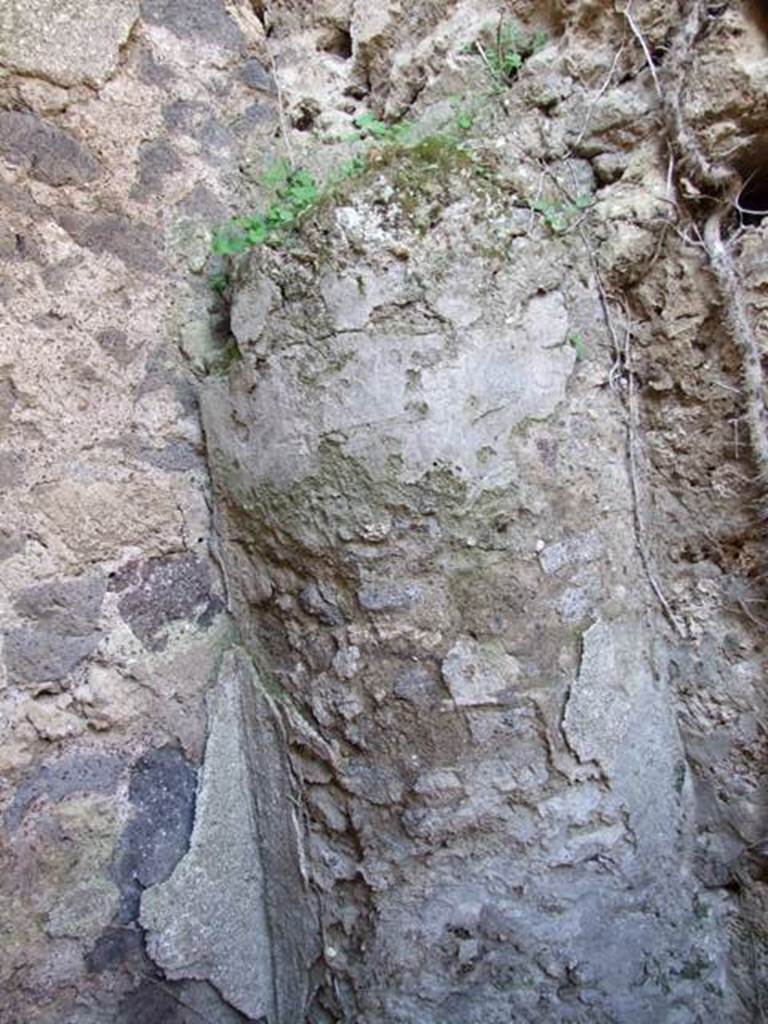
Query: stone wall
122,130
383,720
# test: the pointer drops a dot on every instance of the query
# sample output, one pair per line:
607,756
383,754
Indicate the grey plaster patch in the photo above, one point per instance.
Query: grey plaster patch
467,400
138,245
47,153
352,298
66,41
205,20
478,673
619,717
458,298
251,305
161,591
75,773
162,795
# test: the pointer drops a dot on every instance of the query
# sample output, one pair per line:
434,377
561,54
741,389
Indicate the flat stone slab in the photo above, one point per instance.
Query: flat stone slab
208,921
235,911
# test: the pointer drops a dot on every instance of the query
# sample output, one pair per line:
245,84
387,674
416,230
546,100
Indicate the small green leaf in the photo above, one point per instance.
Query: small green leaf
219,282
371,126
257,233
277,175
576,341
512,62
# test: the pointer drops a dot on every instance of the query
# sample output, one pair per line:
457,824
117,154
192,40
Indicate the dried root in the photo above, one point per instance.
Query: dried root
723,185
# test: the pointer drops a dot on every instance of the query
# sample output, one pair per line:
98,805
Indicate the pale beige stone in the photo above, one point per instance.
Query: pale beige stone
66,41
96,520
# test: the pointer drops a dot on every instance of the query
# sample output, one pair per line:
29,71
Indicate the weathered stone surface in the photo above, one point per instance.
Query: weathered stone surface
67,41
99,471
476,862
256,76
115,343
175,457
389,597
432,447
157,160
162,797
162,591
35,655
96,520
46,152
11,470
66,615
83,912
51,718
205,21
231,913
75,773
159,1001
114,947
322,603
70,607
138,245
479,674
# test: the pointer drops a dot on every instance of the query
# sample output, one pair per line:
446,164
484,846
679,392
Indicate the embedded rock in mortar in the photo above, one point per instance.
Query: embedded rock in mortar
234,912
478,857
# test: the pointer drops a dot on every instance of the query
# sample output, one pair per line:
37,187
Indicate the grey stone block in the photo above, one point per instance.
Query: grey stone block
46,152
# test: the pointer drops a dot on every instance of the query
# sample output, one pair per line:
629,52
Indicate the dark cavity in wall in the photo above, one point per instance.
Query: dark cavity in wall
337,42
752,165
753,199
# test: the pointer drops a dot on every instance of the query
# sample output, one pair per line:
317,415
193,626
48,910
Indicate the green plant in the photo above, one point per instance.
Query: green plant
560,216
350,168
219,282
370,127
465,119
508,50
296,191
577,343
